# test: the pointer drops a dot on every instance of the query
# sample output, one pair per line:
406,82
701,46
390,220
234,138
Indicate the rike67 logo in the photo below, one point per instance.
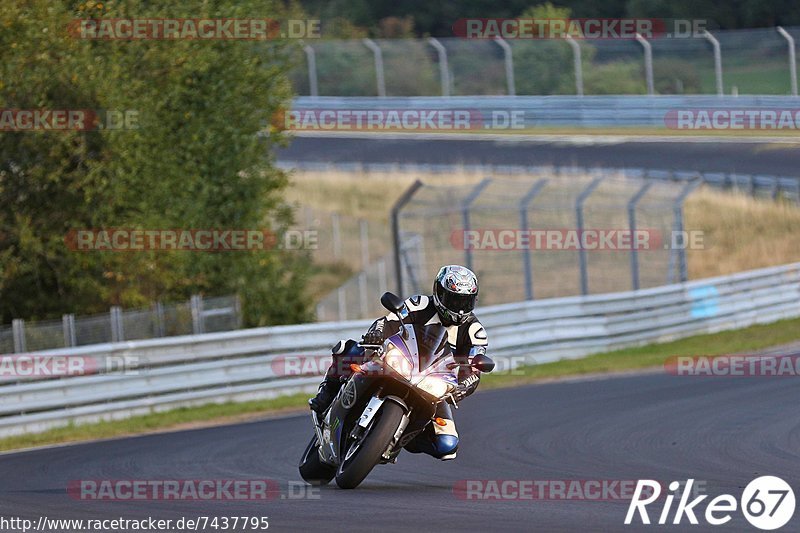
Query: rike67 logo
767,503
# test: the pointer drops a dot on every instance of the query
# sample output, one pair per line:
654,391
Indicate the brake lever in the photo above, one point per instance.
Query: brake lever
455,403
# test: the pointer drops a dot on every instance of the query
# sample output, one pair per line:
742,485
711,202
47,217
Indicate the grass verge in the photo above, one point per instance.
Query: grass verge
736,341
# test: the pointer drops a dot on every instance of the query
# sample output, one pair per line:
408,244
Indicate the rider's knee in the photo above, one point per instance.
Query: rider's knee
445,445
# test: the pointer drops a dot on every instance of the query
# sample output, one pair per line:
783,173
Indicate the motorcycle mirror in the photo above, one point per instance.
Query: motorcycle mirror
392,302
483,363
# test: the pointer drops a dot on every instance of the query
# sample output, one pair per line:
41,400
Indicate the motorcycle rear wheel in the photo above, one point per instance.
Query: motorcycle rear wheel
359,463
312,469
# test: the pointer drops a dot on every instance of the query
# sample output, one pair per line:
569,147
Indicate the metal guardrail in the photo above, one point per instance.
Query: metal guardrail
247,364
496,112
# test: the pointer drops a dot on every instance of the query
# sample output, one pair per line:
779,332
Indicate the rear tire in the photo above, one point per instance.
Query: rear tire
354,469
312,469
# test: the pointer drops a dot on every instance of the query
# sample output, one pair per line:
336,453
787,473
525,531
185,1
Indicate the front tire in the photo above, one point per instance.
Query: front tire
312,469
359,464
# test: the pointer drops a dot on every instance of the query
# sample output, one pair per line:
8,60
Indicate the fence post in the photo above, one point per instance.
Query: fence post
523,226
18,333
683,274
508,58
311,59
395,221
632,228
717,61
342,304
196,304
582,197
792,59
117,333
465,207
576,58
337,237
382,280
161,327
378,55
237,309
444,71
362,293
363,227
648,63
68,324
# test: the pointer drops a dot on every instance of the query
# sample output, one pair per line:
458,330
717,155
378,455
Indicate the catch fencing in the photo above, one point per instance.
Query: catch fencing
198,315
751,61
138,377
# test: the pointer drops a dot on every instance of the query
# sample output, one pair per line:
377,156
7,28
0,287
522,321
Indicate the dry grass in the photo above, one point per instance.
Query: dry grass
741,233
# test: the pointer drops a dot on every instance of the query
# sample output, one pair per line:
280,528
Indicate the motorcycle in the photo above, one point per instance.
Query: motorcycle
387,401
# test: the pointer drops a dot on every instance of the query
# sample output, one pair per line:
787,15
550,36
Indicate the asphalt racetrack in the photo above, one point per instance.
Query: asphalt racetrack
727,155
721,431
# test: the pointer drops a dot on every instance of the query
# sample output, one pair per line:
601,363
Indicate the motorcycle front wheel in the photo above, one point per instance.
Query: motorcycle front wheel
365,452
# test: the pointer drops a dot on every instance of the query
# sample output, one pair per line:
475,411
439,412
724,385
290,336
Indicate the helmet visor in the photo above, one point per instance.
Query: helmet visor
456,302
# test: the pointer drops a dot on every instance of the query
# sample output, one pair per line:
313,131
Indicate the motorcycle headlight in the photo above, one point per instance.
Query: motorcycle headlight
395,359
436,387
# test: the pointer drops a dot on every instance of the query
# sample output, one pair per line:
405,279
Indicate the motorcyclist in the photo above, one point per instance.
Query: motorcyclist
455,291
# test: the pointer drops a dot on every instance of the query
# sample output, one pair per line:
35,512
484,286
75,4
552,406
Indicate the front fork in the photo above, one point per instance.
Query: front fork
368,416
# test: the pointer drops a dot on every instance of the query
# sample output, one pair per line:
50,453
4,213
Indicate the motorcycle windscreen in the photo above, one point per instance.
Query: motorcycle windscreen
431,344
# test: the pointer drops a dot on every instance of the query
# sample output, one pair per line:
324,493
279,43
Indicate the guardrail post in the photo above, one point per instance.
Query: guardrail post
632,228
444,71
196,304
465,207
717,61
378,55
508,58
117,332
68,325
395,222
792,59
18,334
648,63
582,197
576,58
311,59
523,226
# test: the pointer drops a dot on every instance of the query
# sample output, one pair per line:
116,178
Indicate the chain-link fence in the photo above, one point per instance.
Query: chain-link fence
198,315
754,61
538,236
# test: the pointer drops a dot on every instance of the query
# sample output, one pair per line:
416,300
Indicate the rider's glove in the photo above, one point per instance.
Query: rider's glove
466,387
373,337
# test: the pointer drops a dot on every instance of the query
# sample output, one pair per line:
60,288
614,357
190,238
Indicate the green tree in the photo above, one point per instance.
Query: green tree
200,158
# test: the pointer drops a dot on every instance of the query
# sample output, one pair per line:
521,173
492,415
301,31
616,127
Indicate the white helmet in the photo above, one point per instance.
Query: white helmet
455,291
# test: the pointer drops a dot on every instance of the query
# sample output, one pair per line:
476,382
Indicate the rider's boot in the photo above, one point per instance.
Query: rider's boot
327,392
